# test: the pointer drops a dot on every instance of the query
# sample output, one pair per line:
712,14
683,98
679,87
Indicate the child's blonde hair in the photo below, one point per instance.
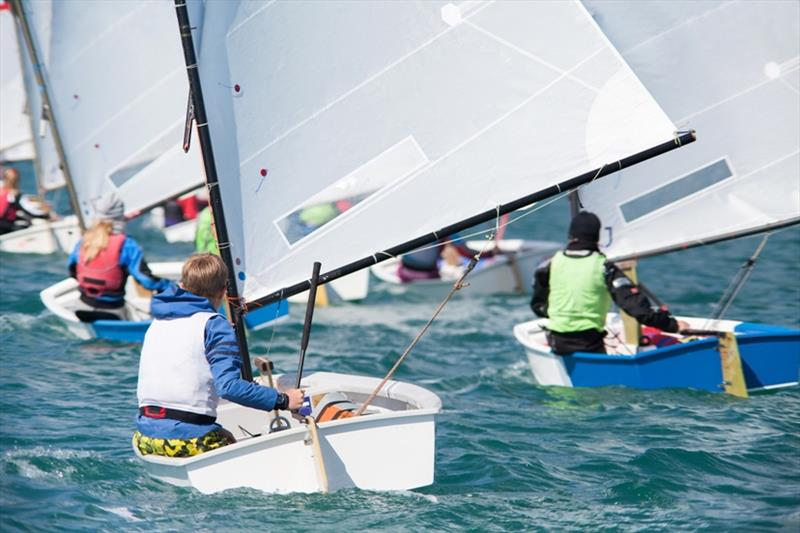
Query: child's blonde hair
204,275
11,179
95,239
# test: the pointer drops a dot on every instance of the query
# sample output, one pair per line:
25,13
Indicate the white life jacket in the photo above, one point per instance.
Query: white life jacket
173,370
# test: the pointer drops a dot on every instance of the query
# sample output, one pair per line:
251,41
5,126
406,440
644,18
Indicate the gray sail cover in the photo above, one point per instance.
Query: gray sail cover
341,129
730,71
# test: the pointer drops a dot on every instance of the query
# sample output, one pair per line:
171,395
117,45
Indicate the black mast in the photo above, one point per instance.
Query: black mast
19,11
681,139
212,182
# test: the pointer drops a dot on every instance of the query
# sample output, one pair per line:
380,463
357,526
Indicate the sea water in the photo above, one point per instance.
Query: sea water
511,456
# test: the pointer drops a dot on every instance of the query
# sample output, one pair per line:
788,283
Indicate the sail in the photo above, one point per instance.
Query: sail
16,143
388,120
118,90
48,165
741,61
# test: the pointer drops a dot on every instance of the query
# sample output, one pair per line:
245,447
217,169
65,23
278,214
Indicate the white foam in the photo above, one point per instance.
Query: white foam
416,495
16,321
21,458
123,512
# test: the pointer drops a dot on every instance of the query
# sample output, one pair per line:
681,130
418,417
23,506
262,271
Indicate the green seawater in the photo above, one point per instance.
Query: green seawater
511,456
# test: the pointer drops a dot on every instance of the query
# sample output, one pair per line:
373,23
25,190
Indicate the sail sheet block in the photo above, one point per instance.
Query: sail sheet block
343,128
730,71
118,89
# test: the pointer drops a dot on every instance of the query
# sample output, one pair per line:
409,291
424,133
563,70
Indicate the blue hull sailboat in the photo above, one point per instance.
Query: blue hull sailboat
734,185
770,359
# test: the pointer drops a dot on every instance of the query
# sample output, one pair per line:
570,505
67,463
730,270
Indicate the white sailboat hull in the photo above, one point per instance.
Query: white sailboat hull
509,272
43,237
62,299
181,232
350,288
392,448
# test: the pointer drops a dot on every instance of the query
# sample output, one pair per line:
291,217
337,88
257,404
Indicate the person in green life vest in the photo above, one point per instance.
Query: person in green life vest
205,237
574,290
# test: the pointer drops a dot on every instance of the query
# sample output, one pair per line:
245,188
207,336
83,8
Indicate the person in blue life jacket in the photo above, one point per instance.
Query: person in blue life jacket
574,290
424,263
102,260
190,359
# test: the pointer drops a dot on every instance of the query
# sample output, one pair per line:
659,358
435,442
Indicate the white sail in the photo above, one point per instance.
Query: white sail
16,143
421,113
118,89
731,70
48,165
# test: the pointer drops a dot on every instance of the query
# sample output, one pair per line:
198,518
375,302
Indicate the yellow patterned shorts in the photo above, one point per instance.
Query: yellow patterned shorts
179,447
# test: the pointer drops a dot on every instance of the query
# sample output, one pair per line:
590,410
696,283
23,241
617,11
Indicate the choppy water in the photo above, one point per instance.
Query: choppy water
510,455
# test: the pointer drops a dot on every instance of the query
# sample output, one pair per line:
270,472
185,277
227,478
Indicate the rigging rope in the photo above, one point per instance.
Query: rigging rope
736,284
458,285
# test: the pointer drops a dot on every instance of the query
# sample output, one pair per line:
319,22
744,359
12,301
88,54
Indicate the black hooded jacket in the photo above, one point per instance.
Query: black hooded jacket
626,294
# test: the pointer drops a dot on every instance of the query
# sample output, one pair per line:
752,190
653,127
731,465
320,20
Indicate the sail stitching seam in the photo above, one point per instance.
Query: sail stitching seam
348,93
534,57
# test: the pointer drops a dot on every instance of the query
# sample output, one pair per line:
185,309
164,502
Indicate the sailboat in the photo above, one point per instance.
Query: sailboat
732,185
25,134
509,269
114,86
466,112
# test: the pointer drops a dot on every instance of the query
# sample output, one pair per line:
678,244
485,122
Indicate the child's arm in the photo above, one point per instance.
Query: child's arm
222,353
131,257
72,262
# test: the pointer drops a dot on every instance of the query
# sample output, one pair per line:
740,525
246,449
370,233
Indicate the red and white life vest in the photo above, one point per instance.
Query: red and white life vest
7,211
103,274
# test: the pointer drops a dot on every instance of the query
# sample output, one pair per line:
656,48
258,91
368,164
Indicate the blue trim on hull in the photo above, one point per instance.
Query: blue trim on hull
120,330
264,316
770,356
128,331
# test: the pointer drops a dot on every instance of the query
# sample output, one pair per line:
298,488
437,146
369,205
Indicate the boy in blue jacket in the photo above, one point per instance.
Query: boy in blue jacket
190,359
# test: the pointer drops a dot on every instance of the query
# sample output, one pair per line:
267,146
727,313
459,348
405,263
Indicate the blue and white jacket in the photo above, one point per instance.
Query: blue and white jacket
190,359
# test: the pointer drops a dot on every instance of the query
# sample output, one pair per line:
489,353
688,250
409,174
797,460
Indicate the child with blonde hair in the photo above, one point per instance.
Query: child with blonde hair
102,261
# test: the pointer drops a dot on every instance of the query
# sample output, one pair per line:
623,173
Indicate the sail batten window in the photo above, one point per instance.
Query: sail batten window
121,176
394,164
676,190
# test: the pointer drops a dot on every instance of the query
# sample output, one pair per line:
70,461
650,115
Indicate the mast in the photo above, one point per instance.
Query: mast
37,166
212,182
574,203
19,11
681,139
